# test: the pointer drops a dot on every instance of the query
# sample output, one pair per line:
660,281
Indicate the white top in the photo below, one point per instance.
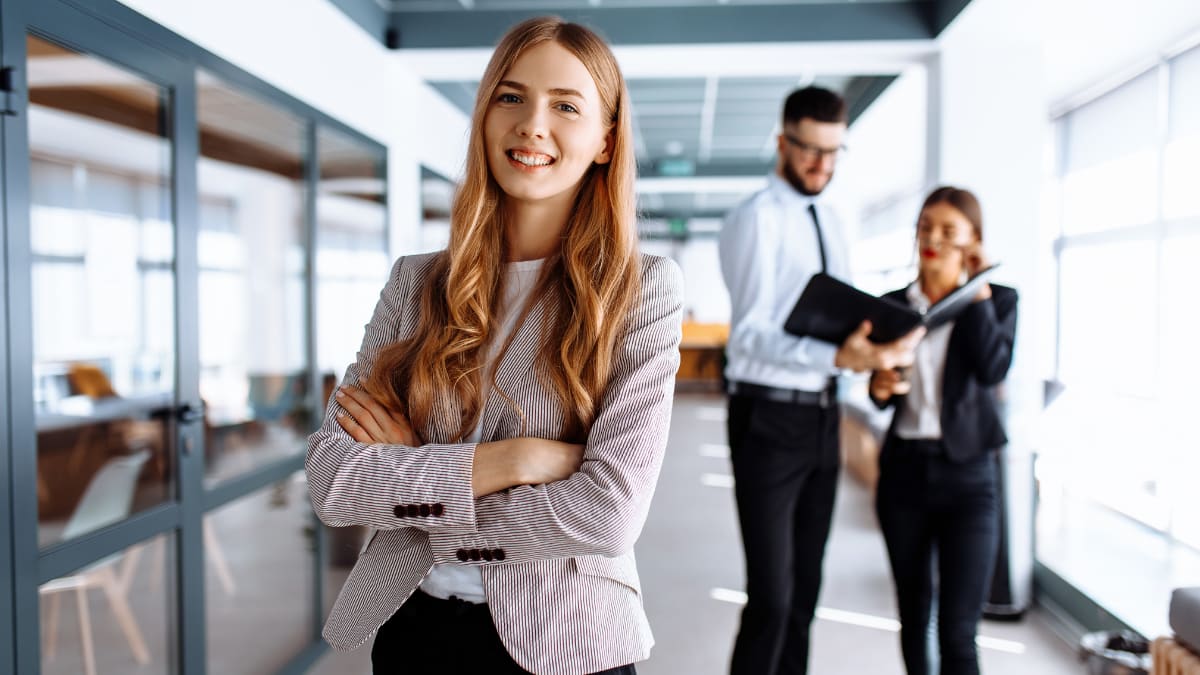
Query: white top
465,581
769,251
920,413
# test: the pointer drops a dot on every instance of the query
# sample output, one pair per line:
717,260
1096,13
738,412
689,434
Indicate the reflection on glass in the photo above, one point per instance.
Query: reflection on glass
437,194
352,266
352,256
251,248
103,285
111,616
259,588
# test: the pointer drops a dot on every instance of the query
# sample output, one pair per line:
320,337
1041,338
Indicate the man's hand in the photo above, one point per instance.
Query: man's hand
369,422
888,383
859,354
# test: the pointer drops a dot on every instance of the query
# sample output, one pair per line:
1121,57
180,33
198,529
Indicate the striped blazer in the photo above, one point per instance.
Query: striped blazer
557,559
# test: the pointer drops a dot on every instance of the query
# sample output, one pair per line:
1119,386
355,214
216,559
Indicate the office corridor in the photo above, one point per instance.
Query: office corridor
690,562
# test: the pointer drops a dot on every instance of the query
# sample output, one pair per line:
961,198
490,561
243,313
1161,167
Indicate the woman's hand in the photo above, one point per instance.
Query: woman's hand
369,422
975,261
544,461
888,383
523,461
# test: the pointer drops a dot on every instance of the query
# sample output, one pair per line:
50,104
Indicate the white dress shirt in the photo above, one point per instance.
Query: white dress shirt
920,413
769,250
465,581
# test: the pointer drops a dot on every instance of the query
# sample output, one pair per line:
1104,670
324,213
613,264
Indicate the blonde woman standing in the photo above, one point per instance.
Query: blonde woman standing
503,427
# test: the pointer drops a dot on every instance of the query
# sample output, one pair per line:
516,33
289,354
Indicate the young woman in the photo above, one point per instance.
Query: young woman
937,484
504,425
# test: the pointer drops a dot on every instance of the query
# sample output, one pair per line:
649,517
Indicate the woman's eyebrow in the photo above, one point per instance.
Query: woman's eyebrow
558,91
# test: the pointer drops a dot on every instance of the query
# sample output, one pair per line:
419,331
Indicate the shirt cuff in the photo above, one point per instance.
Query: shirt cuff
821,356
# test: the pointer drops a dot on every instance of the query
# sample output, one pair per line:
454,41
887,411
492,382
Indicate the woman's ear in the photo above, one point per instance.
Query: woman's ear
605,154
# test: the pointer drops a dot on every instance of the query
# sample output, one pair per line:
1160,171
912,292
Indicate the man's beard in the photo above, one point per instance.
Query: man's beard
794,179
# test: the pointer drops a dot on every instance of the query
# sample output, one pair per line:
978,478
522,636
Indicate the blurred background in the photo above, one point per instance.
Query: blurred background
202,201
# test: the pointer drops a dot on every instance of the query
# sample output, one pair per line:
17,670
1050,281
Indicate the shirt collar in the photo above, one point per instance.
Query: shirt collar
917,298
786,193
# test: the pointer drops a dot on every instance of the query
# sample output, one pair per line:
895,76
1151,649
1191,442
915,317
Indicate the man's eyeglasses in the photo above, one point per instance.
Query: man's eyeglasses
810,151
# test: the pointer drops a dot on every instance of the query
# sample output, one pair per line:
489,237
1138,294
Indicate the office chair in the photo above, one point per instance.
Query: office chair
106,500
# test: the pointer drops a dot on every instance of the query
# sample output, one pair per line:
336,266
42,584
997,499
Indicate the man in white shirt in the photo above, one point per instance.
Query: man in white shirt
783,414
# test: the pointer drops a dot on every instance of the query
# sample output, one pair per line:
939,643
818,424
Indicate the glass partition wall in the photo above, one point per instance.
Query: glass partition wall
102,286
192,257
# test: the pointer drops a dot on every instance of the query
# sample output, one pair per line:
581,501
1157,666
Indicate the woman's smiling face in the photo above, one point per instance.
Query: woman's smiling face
545,126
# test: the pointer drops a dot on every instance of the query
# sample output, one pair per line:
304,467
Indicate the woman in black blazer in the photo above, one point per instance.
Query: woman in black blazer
937,484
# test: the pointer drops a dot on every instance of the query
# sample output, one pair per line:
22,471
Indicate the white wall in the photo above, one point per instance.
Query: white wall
988,129
989,105
311,50
885,173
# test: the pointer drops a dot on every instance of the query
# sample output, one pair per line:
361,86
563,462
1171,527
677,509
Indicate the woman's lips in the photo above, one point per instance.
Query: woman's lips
928,253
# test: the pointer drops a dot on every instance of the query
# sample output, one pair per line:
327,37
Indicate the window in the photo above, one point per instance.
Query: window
1129,243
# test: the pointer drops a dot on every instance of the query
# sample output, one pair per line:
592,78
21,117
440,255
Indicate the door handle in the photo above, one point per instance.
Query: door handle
186,413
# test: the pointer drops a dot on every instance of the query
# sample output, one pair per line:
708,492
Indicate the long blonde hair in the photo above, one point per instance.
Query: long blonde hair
588,288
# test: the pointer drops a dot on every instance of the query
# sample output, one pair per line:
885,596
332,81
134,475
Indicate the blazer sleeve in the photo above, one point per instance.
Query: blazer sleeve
601,508
896,296
387,486
989,331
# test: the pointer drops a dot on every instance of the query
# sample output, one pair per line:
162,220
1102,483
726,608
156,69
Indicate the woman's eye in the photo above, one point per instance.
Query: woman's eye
508,98
567,107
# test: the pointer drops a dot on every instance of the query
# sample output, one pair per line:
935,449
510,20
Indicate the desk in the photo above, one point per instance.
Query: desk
702,356
78,435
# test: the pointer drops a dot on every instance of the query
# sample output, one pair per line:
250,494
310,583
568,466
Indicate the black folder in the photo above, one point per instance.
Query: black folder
830,310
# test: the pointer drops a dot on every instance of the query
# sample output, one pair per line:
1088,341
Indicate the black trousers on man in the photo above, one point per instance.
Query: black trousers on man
451,637
785,468
931,507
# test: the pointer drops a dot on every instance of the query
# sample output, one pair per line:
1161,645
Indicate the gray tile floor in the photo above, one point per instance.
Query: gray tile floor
690,561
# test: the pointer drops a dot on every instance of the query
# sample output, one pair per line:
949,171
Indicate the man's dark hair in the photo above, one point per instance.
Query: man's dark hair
815,103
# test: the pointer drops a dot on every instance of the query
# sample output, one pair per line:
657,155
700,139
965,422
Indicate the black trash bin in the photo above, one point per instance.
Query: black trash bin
1115,653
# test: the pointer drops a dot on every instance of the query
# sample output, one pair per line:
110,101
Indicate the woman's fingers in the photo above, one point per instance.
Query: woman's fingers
382,424
362,408
353,428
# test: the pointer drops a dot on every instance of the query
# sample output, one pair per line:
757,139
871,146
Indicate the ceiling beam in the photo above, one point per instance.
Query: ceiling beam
862,92
712,24
944,12
801,60
369,16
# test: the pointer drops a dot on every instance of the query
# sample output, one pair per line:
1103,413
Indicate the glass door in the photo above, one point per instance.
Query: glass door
103,407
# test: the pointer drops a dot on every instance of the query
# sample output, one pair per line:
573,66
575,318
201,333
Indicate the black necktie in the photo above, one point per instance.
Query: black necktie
812,211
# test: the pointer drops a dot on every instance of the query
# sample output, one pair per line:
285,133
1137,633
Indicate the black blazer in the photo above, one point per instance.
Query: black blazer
977,359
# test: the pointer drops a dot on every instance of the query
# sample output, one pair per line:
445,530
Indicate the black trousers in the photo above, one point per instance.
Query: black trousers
428,635
785,468
932,508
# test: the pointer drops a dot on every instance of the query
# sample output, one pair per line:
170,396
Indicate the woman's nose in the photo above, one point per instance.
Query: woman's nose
532,125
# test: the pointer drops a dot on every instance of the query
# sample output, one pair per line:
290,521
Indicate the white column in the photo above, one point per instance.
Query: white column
989,126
